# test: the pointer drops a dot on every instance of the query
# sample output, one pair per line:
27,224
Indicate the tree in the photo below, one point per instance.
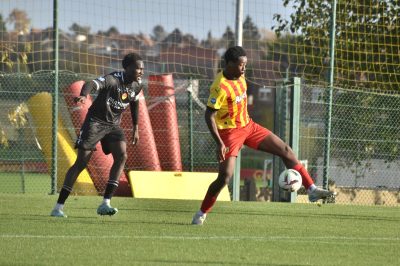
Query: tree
20,20
229,37
79,30
14,56
159,33
367,49
367,40
250,33
111,31
189,39
3,27
174,38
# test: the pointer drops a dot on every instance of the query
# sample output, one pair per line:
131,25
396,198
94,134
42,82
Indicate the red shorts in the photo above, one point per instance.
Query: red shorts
251,135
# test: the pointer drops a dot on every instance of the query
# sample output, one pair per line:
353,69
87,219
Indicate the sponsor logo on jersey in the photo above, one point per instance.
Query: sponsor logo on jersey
117,104
240,98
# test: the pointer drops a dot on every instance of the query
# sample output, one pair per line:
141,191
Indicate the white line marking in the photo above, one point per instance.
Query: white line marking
256,238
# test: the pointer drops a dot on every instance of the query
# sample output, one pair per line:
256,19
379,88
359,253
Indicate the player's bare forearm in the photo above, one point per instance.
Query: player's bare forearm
135,136
212,126
134,105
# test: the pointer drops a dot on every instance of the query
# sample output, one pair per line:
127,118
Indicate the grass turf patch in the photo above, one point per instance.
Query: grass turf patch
153,232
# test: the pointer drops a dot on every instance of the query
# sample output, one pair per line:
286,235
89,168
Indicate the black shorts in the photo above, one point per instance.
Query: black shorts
93,131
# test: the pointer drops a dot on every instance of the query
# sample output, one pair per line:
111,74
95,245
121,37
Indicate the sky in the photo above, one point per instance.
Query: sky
196,17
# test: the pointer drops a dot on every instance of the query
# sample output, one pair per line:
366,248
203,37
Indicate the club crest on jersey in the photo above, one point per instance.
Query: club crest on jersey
213,100
124,96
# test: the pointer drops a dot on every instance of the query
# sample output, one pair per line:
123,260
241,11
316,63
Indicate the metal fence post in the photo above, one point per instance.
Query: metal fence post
328,122
295,122
239,35
190,122
54,170
280,117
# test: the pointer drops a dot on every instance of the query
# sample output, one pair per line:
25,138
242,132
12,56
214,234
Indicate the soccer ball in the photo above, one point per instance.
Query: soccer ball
290,180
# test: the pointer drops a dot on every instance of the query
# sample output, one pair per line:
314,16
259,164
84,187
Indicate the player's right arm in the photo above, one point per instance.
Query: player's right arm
212,126
93,85
215,100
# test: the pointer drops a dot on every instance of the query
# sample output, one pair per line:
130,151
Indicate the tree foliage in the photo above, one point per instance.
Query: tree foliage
159,33
110,32
250,30
79,30
3,27
229,37
20,20
367,40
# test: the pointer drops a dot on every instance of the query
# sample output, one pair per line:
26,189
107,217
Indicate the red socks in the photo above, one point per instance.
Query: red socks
307,180
208,202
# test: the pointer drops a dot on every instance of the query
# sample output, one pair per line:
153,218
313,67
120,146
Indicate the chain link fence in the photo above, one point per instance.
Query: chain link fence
364,156
364,152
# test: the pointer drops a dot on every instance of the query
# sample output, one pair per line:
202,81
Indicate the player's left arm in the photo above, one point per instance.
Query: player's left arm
134,106
85,91
94,85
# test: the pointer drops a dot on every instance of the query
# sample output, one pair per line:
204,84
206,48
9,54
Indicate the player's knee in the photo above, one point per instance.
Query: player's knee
80,165
123,157
224,178
288,154
120,158
218,184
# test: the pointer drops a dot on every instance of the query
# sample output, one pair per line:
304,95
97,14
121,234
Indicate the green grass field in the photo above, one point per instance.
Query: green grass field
25,183
158,232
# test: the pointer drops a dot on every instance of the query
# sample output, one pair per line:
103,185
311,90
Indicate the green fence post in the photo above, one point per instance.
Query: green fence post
239,39
54,170
190,122
280,117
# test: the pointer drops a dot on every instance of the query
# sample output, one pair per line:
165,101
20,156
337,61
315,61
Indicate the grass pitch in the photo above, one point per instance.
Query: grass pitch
158,232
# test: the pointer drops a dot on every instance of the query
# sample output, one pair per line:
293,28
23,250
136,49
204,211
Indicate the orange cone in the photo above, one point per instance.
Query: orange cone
164,121
143,156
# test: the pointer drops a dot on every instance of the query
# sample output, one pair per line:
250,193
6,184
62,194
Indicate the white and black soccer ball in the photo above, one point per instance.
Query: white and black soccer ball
290,180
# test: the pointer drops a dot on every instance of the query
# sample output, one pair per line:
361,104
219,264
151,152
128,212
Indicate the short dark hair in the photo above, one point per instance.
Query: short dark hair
130,59
233,54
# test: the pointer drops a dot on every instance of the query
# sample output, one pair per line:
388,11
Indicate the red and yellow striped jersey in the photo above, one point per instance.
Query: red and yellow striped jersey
230,99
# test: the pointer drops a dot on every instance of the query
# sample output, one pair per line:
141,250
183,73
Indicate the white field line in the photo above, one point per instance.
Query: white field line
237,238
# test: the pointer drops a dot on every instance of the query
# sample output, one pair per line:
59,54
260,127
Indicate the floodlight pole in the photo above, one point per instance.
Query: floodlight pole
239,40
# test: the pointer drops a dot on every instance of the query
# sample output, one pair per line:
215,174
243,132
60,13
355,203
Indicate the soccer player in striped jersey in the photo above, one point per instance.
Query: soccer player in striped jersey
115,92
231,127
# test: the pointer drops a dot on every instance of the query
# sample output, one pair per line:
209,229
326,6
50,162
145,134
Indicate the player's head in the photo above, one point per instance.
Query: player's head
235,62
133,66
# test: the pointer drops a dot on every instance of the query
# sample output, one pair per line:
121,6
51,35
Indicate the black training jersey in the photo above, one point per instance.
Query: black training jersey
113,97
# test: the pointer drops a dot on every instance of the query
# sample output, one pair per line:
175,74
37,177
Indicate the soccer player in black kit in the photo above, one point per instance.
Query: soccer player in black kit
115,92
